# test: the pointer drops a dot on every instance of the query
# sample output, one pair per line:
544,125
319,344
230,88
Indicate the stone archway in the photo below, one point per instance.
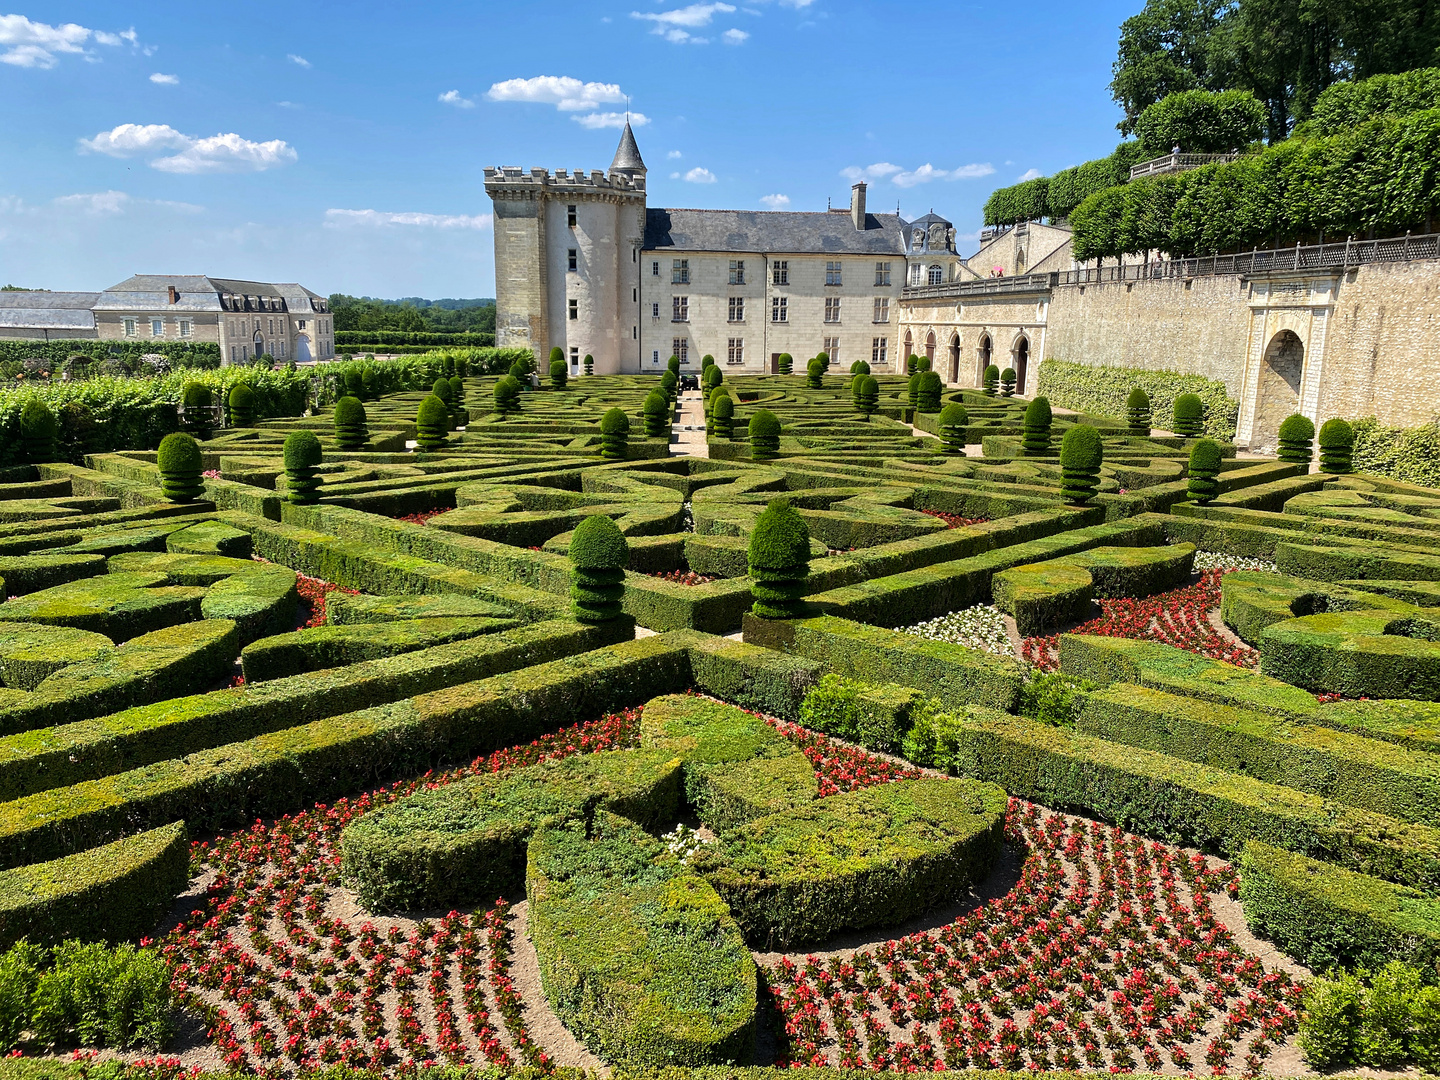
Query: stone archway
982,359
930,347
909,351
954,359
1277,392
1022,362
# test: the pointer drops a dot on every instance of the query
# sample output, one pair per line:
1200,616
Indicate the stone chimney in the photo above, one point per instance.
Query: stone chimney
857,206
175,294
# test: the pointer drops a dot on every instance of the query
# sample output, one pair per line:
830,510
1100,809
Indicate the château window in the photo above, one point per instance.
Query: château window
129,327
878,348
779,306
831,349
574,310
680,272
574,260
882,273
736,353
780,275
679,309
832,273
937,275
882,309
570,216
737,309
574,349
157,327
654,269
655,309
681,348
737,271
915,274
832,309
186,327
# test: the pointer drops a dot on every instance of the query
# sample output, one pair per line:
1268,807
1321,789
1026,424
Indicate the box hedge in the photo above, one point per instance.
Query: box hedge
318,647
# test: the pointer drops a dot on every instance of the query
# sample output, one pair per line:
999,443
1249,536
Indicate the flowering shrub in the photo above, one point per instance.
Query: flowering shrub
981,627
1106,954
286,982
1180,617
955,521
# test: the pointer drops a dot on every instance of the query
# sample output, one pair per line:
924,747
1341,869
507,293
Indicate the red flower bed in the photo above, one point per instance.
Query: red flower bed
313,592
286,982
955,521
1180,617
1106,954
422,517
682,577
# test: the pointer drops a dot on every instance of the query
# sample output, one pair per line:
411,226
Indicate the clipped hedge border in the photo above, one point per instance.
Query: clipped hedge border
316,648
1326,915
1102,391
114,892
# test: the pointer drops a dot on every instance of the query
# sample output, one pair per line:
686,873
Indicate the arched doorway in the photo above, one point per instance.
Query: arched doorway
909,352
954,359
930,348
1019,269
982,359
1277,394
259,345
1022,362
302,349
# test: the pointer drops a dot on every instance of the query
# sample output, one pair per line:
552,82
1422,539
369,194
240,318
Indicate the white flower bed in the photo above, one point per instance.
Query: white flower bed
1217,560
981,627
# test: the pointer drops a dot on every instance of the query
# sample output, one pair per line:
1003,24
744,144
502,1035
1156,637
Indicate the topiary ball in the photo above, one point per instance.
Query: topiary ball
1036,439
197,394
670,385
712,378
764,436
1204,468
866,394
599,554
432,423
242,405
1337,447
507,395
706,361
862,367
457,389
351,432
779,561
1137,411
814,374
180,466
1189,416
1080,457
953,423
724,417
354,382
673,365
1007,382
443,390
912,389
786,363
302,453
912,364
556,353
991,379
559,374
614,435
656,409
589,364
1297,435
929,391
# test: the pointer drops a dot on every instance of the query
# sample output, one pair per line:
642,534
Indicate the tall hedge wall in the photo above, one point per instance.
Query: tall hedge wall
344,338
1056,196
1349,103
1408,454
1101,391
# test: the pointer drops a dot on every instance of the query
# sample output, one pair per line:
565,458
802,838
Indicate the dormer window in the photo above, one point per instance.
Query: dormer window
937,275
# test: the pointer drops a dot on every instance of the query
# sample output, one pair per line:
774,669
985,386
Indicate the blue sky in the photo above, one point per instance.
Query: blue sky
343,145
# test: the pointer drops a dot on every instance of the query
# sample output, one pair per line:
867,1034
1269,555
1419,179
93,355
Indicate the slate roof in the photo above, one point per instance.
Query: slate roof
47,310
198,292
795,232
627,154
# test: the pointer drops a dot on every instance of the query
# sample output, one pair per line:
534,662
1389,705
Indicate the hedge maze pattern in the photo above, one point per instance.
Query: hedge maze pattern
339,700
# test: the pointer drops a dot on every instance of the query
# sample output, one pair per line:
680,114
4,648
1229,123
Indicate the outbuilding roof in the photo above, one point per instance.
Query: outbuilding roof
47,310
782,231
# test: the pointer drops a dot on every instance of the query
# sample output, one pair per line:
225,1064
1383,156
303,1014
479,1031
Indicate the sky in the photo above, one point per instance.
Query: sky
343,146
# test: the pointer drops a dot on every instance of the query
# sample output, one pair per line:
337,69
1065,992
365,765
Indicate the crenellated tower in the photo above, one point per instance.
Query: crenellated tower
567,259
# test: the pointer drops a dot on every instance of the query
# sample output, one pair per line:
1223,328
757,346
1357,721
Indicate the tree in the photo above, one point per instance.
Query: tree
1170,46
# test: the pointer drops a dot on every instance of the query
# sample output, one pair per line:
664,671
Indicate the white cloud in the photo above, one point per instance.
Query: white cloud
674,155
675,26
565,93
381,218
103,202
38,45
597,120
776,202
698,175
1029,174
452,97
927,172
216,154
878,171
165,80
733,37
297,60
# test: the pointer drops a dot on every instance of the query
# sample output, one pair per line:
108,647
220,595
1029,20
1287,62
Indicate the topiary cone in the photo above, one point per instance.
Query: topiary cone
1297,440
351,432
1007,382
1036,439
1189,416
241,402
953,423
990,380
1137,412
444,391
928,393
302,479
599,554
615,435
432,424
1080,457
656,410
1204,468
180,468
1337,447
764,436
779,562
39,432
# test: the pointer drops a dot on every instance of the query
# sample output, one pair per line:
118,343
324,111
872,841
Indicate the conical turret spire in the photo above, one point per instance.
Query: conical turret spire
627,154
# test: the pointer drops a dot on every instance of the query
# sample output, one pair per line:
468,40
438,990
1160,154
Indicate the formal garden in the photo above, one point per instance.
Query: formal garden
405,717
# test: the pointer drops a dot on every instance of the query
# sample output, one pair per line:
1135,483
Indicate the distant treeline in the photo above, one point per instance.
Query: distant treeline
412,315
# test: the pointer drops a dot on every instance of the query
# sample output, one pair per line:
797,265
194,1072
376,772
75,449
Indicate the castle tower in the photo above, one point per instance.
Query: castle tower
567,259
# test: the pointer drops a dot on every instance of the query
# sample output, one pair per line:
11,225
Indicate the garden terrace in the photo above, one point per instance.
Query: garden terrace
1077,786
